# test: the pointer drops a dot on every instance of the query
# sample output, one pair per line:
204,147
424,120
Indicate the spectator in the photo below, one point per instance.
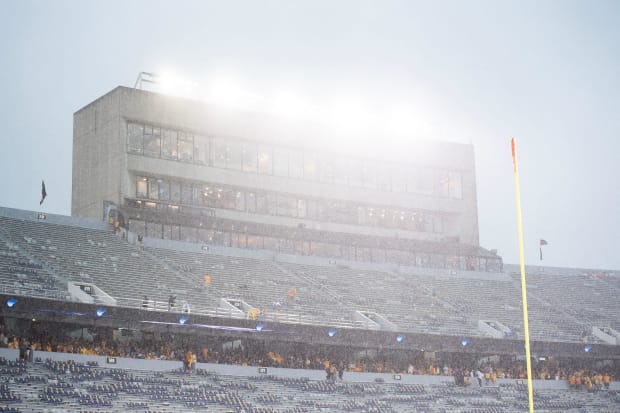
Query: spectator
479,377
23,349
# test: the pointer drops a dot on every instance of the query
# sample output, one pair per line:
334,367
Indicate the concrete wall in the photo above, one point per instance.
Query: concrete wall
53,218
99,153
468,222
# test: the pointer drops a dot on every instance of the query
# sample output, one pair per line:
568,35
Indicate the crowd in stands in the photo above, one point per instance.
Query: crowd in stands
334,366
589,380
177,387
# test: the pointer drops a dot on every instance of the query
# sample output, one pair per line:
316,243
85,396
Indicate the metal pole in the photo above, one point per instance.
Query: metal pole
526,328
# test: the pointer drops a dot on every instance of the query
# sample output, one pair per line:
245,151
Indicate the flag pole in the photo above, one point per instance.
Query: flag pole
526,328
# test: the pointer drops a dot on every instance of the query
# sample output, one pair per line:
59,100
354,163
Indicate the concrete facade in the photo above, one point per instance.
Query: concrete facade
105,170
99,156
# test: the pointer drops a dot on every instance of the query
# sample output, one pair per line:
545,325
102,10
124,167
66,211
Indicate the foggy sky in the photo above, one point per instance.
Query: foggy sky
546,72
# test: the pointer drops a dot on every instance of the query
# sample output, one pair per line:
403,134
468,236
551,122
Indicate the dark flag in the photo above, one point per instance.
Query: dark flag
542,242
43,193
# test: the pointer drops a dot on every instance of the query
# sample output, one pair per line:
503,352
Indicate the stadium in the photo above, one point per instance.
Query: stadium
226,260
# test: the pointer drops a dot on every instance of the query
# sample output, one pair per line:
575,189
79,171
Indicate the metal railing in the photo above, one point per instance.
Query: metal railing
274,316
34,292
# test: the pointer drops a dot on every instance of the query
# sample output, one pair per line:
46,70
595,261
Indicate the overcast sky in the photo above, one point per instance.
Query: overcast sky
547,72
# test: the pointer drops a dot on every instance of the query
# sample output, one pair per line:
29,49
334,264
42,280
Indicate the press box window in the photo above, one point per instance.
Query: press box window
134,137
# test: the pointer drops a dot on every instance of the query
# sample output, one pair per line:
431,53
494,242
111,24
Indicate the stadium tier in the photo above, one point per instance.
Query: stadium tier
81,384
86,261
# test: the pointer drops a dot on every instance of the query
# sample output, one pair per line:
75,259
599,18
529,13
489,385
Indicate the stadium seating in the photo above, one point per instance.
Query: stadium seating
261,283
95,256
60,386
589,296
38,258
20,273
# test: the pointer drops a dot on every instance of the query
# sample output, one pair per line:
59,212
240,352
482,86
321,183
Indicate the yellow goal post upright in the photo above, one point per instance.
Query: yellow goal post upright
526,329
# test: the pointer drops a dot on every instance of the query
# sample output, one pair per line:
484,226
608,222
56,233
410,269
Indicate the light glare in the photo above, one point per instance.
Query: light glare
290,105
405,121
348,115
226,92
176,85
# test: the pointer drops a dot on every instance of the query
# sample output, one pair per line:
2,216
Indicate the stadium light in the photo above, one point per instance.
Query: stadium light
225,92
167,83
347,114
259,327
464,342
183,320
288,105
400,120
101,311
587,348
175,85
400,338
11,302
331,332
404,121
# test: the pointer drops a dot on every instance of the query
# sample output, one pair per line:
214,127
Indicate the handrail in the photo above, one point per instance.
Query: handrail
33,292
280,317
